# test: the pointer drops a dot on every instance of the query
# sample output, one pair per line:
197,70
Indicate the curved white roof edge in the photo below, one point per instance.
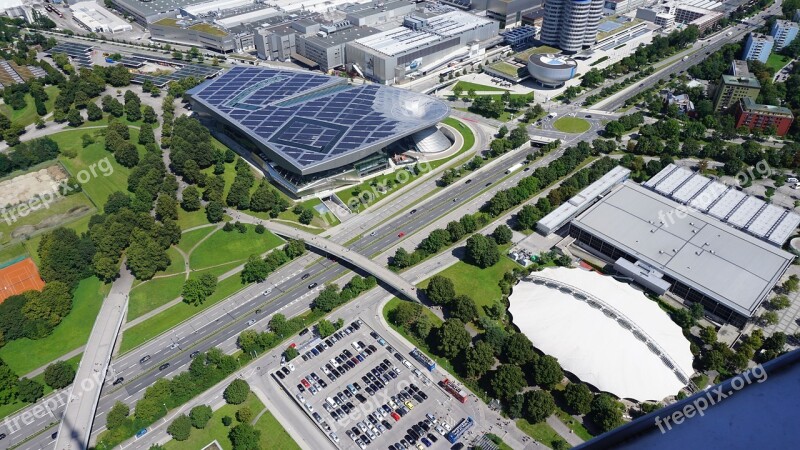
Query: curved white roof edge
592,344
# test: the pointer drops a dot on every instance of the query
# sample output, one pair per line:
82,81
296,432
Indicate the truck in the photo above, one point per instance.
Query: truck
685,58
514,167
552,115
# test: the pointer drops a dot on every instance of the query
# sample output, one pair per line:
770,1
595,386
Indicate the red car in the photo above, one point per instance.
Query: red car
396,417
401,234
305,382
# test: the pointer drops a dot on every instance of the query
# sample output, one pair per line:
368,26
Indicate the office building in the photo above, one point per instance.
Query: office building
571,25
753,115
661,16
275,43
327,48
702,259
783,32
682,101
704,14
378,12
733,88
311,132
613,7
520,36
758,47
422,44
509,12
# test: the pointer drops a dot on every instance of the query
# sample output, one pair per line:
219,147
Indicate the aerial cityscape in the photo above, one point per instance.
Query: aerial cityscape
399,224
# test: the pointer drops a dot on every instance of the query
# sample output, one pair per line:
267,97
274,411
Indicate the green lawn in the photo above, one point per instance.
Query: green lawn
6,410
176,263
27,115
571,125
480,284
24,355
151,294
466,86
32,245
71,205
541,432
329,220
152,327
273,436
217,271
191,238
99,187
222,247
776,61
574,425
12,251
192,219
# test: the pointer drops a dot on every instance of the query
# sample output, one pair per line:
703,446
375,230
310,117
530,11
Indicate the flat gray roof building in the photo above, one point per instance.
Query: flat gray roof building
707,261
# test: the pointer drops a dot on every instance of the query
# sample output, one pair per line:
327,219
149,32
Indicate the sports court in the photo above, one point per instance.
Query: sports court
19,277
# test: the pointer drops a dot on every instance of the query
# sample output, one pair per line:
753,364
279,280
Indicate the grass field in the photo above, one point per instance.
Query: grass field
151,294
541,432
573,425
12,251
222,247
273,436
150,328
32,245
466,86
24,355
571,125
192,219
99,187
776,61
480,284
176,263
27,115
62,205
191,238
6,410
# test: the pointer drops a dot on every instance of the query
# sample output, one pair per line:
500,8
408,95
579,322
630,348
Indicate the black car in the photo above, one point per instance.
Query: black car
53,436
361,398
324,385
305,276
432,438
300,388
163,366
312,285
144,359
457,446
468,181
304,332
280,374
370,391
328,342
194,354
386,424
347,353
373,334
285,370
118,381
418,398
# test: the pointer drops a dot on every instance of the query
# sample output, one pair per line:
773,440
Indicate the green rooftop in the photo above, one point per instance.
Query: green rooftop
542,49
168,22
208,29
624,22
509,69
750,105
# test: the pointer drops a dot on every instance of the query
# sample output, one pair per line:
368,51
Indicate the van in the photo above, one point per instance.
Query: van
330,401
406,363
792,180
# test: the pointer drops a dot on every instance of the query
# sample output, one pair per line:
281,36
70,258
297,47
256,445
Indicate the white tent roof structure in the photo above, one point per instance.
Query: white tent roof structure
605,332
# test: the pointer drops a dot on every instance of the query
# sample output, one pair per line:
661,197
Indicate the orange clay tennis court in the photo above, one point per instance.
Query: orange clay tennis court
18,278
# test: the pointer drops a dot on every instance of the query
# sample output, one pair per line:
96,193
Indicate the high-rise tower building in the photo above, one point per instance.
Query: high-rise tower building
571,25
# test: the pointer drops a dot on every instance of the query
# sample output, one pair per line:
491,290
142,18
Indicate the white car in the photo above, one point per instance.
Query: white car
291,367
333,436
300,398
325,370
440,430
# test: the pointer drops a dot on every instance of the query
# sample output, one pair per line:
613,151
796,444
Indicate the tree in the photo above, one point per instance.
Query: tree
166,208
606,412
507,380
306,216
440,290
780,302
769,318
236,393
180,428
518,349
196,290
146,135
325,328
479,360
327,299
149,115
546,372
463,308
456,231
502,131
406,314
502,234
117,416
244,414
29,391
74,118
578,397
245,437
482,251
93,112
145,256
190,199
453,338
214,211
539,405
59,374
791,284
127,155
255,270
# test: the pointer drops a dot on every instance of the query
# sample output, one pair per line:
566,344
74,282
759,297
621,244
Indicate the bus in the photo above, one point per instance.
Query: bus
455,390
423,359
461,427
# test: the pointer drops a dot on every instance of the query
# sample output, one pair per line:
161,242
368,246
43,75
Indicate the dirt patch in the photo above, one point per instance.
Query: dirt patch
22,188
50,222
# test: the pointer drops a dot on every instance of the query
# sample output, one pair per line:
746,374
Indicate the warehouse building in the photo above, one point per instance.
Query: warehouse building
327,48
421,44
313,133
703,259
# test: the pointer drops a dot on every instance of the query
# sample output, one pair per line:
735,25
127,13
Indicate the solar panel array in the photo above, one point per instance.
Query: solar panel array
80,54
310,118
748,213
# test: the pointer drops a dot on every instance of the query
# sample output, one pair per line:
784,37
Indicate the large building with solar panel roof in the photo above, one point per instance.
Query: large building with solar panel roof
702,240
311,132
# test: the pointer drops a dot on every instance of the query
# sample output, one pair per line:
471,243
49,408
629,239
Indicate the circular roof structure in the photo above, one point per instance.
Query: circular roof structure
605,332
551,69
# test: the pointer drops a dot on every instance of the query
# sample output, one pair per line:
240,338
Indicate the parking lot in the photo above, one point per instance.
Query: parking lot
362,393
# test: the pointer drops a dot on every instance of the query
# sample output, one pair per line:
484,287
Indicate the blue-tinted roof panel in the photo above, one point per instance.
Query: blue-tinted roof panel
312,118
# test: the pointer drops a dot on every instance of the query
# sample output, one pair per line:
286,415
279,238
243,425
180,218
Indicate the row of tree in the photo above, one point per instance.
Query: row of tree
27,154
331,297
437,240
256,269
